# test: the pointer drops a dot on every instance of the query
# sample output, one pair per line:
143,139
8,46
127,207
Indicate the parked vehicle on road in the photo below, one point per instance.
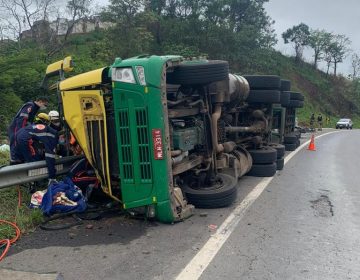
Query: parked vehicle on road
344,123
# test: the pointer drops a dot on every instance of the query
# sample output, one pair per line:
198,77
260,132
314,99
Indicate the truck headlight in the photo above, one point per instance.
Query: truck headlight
141,75
124,75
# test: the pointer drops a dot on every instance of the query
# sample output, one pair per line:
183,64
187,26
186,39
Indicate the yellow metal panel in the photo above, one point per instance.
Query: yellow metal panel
80,107
65,64
82,80
54,67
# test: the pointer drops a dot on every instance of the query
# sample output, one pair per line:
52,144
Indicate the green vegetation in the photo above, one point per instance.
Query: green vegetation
25,218
237,31
4,158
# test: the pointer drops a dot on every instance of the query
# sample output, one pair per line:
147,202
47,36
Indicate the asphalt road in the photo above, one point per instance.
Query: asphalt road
303,224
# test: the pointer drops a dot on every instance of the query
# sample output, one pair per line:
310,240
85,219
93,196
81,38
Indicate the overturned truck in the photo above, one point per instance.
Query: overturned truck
166,134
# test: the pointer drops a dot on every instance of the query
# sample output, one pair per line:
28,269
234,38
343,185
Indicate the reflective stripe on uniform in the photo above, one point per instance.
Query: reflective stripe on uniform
40,134
49,155
24,115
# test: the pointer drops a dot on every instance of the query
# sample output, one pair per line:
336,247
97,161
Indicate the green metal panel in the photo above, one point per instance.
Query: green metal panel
134,150
139,109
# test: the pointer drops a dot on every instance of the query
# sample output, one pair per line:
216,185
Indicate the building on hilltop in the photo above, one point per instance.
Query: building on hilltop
60,27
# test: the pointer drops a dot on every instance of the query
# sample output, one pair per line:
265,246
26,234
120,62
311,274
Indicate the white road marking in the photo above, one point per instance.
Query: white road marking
203,258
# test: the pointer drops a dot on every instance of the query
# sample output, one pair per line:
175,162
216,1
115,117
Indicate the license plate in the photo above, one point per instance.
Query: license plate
44,170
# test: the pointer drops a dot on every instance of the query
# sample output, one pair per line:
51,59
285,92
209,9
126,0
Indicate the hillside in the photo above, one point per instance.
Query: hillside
22,72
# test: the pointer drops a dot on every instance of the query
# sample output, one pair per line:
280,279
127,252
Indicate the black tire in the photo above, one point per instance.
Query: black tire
280,149
290,147
301,104
285,85
291,138
262,170
297,133
199,73
284,98
221,195
297,143
264,96
296,95
264,155
263,81
295,104
280,164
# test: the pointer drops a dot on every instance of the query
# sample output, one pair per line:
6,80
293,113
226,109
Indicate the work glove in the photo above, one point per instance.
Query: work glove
52,181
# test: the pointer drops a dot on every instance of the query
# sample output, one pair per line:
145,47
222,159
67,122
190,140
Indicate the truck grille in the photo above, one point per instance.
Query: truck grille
96,141
143,142
125,145
134,145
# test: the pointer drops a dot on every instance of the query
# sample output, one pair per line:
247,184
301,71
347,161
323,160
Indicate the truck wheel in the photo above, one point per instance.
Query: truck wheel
193,73
290,147
285,85
284,98
264,96
297,133
280,164
296,95
290,138
263,81
295,104
301,104
263,170
280,149
221,194
263,155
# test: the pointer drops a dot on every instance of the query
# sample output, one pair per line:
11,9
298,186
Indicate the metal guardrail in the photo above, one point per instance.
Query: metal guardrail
13,175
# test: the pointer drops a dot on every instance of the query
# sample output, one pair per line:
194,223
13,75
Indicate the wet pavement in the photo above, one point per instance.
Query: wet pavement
304,225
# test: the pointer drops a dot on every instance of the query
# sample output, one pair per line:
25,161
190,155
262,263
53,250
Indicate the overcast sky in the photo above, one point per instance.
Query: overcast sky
339,17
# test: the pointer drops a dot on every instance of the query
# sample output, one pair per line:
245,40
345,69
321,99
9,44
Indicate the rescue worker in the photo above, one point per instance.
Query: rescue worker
312,121
42,132
320,121
62,147
23,117
55,120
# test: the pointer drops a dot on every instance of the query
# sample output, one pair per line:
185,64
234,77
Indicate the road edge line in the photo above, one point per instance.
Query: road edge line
197,265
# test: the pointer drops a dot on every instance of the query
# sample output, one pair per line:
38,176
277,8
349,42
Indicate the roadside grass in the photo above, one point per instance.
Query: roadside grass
25,218
4,158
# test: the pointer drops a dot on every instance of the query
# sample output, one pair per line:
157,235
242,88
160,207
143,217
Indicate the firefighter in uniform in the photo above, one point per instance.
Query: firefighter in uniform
24,116
40,131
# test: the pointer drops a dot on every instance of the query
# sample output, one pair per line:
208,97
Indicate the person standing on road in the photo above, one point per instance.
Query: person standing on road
320,120
312,121
23,117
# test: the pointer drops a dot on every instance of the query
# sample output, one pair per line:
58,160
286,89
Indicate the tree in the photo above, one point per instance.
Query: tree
299,36
23,14
77,10
338,49
130,35
318,41
355,65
